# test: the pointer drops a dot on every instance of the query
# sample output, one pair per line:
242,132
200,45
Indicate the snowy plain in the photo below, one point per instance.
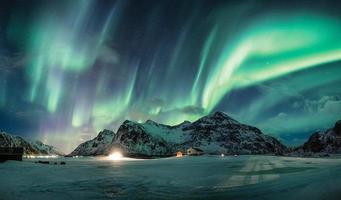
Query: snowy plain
204,177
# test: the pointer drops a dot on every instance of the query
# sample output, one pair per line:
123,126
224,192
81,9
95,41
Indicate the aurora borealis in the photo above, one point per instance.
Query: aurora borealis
69,69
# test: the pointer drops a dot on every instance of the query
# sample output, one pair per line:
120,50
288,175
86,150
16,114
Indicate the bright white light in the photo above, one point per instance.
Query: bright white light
222,155
41,156
115,156
30,156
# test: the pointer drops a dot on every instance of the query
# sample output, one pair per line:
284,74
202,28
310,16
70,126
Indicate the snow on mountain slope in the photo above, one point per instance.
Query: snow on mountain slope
45,149
97,146
219,133
172,134
148,139
30,148
216,133
7,140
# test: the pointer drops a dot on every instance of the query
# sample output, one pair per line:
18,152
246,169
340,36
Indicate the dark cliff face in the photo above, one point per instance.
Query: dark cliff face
337,128
323,142
313,144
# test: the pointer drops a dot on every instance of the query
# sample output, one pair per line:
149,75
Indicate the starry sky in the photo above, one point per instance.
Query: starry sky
69,69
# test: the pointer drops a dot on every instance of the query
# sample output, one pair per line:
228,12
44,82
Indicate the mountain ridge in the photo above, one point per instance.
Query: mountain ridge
322,143
30,148
215,133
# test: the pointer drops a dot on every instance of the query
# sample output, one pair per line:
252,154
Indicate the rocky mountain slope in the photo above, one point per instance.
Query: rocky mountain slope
319,143
214,134
30,148
98,146
45,149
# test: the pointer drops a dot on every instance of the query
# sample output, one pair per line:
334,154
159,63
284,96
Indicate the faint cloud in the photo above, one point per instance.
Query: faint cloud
317,114
108,55
329,104
192,110
29,113
156,102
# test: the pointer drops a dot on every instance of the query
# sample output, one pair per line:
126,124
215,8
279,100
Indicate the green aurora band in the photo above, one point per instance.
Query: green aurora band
76,73
270,49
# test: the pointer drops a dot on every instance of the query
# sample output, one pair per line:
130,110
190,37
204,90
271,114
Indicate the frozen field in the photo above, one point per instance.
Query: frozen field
206,177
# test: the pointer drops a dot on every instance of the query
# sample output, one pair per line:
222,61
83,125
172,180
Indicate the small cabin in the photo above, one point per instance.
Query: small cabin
11,153
179,154
194,151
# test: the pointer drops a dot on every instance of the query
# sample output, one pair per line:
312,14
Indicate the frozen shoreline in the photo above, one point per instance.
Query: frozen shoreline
205,177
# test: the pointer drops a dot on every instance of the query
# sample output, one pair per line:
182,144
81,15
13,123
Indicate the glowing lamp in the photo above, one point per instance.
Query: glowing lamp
116,156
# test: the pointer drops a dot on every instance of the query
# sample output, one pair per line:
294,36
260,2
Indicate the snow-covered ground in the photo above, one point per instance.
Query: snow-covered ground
205,177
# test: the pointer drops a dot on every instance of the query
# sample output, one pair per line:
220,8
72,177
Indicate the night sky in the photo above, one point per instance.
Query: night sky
69,69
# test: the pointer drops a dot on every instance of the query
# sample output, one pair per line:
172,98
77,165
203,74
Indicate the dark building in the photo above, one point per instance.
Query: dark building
11,153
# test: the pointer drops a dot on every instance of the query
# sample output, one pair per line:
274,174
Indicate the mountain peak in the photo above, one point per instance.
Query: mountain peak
219,116
185,122
105,132
128,121
149,121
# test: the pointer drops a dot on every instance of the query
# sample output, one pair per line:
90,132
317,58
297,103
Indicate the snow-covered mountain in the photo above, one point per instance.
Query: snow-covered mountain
325,142
98,146
30,148
45,149
214,134
149,138
219,132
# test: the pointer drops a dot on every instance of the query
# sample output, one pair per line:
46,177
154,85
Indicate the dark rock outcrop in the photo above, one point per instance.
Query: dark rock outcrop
321,143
